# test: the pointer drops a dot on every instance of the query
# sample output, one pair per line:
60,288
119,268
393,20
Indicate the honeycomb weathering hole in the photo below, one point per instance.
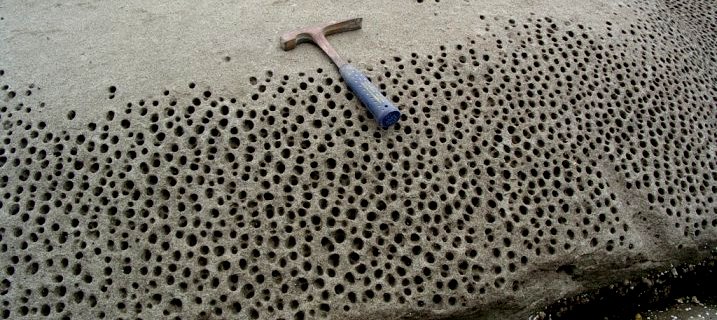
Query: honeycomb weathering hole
291,203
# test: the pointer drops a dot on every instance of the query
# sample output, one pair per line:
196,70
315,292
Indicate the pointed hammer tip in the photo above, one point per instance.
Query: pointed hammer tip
356,22
289,40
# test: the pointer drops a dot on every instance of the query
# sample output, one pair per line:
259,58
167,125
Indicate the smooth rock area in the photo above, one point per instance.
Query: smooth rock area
167,160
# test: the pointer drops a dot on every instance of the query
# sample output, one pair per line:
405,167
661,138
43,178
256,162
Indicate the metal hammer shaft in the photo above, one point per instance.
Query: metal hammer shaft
382,109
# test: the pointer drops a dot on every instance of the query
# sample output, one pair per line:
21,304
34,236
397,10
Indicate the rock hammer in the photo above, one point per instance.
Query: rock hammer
382,109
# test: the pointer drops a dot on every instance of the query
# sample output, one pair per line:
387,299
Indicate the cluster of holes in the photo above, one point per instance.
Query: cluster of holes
292,204
12,106
111,90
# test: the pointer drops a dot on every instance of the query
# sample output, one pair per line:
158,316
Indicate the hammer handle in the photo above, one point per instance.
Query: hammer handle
382,109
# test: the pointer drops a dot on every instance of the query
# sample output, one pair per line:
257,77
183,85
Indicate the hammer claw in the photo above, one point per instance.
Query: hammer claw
290,39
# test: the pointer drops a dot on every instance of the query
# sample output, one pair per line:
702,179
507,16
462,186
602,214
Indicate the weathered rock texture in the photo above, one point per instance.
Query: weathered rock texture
541,152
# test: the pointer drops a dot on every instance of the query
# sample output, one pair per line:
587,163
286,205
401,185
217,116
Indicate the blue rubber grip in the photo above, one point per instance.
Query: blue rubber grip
383,110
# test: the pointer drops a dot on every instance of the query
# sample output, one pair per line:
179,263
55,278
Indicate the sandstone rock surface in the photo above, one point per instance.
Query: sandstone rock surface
166,159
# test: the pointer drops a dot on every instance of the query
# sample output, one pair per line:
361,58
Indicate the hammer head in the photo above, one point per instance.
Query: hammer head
314,33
